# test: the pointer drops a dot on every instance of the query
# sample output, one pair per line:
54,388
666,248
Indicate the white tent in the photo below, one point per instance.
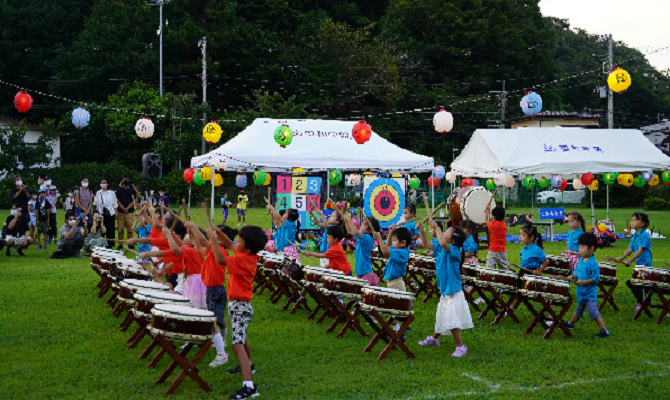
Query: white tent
557,151
317,145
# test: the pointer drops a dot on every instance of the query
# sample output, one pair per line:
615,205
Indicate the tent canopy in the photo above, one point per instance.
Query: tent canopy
557,151
317,145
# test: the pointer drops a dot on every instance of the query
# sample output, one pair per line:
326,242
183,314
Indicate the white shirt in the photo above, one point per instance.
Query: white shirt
106,199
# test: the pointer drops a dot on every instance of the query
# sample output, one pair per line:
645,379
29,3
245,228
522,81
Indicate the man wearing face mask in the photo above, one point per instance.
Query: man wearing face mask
83,199
52,197
125,210
72,238
20,197
11,234
105,203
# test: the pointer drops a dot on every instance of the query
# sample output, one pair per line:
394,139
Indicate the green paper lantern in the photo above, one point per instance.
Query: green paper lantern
414,183
639,181
528,182
335,176
490,184
609,178
197,179
283,135
544,183
666,176
260,177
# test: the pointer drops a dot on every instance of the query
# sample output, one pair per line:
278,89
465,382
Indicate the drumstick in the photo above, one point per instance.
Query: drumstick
608,258
406,222
132,251
525,269
429,213
137,191
360,211
183,204
434,211
176,218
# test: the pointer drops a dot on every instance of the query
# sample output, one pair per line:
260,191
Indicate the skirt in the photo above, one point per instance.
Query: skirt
372,278
472,260
452,313
291,252
574,259
196,291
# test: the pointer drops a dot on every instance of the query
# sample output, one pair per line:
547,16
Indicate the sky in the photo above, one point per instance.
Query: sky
642,24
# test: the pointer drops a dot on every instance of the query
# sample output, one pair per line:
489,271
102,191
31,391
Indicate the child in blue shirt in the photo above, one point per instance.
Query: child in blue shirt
364,245
409,213
453,313
143,229
335,219
470,245
532,256
577,226
640,247
287,232
586,277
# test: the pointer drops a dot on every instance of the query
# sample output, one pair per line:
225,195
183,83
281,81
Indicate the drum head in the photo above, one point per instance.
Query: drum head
183,310
153,294
473,205
393,292
140,284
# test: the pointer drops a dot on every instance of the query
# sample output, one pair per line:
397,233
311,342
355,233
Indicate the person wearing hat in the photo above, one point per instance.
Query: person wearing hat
52,196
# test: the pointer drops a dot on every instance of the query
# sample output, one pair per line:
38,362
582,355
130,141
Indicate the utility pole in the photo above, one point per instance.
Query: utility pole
503,101
610,98
203,44
160,4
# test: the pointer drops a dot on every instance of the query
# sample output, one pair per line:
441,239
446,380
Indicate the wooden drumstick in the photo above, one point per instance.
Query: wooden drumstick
360,211
176,218
183,204
525,269
132,251
429,213
137,191
608,258
434,211
406,222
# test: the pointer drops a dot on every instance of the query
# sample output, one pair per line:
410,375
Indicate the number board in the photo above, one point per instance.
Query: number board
292,191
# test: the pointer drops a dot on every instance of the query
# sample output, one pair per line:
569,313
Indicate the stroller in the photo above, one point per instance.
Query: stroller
606,233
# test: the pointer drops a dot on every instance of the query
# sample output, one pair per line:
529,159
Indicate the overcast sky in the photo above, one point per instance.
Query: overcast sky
642,24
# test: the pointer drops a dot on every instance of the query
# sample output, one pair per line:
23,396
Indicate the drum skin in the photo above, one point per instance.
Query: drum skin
317,278
383,300
293,271
605,271
492,275
173,325
424,263
454,204
272,263
131,274
545,286
651,275
471,271
342,286
559,263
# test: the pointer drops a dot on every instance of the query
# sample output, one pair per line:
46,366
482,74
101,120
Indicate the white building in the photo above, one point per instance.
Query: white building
31,138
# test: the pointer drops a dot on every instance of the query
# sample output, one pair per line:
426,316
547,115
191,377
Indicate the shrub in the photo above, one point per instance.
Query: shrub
656,204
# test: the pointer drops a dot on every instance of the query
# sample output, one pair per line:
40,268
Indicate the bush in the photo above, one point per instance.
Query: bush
656,204
176,189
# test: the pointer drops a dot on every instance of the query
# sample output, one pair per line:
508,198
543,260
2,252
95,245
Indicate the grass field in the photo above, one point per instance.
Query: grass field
59,341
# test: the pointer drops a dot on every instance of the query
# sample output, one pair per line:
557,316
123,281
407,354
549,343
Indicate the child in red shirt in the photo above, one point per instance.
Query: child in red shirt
337,258
194,288
241,273
497,254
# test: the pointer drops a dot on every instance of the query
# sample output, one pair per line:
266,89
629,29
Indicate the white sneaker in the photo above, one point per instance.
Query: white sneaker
220,359
238,224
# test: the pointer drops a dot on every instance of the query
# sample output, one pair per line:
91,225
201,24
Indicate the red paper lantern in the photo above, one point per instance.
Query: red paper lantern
330,205
23,101
587,178
188,175
563,185
361,132
467,182
433,182
666,183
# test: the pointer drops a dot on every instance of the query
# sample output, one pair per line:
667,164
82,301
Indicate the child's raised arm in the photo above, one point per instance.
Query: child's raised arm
351,227
214,244
422,236
276,218
171,240
443,239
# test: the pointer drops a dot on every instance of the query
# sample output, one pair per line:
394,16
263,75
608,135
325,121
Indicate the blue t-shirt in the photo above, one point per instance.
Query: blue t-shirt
585,270
364,246
642,240
532,257
143,232
288,231
469,245
395,266
324,246
447,267
573,238
411,227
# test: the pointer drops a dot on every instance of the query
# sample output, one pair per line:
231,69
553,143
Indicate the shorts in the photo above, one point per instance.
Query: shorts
217,299
225,213
241,313
125,221
590,305
33,220
18,242
372,278
397,284
42,227
241,213
497,259
172,280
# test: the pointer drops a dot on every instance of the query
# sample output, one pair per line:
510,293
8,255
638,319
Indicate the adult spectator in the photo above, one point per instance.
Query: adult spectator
20,196
72,238
52,197
11,233
83,200
105,203
125,197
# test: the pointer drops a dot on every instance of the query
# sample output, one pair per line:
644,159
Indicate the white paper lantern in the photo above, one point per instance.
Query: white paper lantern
509,182
144,128
450,177
354,180
577,184
500,179
220,162
443,121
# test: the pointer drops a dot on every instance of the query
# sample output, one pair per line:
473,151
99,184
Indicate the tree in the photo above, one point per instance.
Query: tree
16,153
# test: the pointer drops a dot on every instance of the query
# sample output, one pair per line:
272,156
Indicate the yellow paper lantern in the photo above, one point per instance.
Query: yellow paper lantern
212,132
268,179
619,80
654,181
396,175
298,171
594,185
206,173
218,180
368,174
627,180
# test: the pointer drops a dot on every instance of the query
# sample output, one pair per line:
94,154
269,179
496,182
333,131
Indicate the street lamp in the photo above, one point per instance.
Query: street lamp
160,4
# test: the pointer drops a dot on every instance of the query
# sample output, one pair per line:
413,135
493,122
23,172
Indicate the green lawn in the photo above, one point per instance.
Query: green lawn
58,340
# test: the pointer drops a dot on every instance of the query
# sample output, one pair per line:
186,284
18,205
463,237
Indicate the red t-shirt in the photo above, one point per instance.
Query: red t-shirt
213,274
337,258
161,243
498,236
192,260
176,260
155,233
241,274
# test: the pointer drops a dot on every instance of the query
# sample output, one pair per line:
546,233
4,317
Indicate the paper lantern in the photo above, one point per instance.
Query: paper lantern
490,184
475,182
654,181
335,176
80,117
241,181
450,177
220,162
609,178
354,180
665,176
619,80
556,181
627,180
23,101
283,135
188,175
531,103
206,173
330,205
500,179
259,177
298,171
356,222
544,183
648,175
368,174
443,121
218,180
467,182
197,179
414,183
361,132
528,182
144,128
587,178
433,182
509,183
564,184
593,186
639,181
212,132
577,184
268,179
438,172
343,205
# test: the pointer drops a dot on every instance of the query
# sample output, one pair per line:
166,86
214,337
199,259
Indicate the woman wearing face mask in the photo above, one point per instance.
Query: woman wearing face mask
20,198
83,200
71,238
105,203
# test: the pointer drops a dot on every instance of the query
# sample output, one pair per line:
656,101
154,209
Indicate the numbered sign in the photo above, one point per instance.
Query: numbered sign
297,192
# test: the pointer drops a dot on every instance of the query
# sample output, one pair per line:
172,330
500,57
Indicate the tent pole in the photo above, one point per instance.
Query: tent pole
432,194
189,199
212,204
328,184
593,223
532,203
608,202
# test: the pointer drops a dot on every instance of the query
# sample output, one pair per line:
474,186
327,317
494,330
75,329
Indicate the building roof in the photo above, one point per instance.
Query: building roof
557,114
32,127
663,127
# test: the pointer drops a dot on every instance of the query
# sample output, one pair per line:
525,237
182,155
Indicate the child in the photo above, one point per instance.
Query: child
224,207
192,285
242,201
162,199
453,313
470,245
586,277
143,230
532,255
68,204
95,237
577,226
364,245
335,219
409,213
43,210
287,232
241,273
640,247
174,263
497,254
337,258
33,213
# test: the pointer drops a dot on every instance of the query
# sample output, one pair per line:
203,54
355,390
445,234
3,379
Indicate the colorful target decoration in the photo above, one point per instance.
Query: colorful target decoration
385,199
